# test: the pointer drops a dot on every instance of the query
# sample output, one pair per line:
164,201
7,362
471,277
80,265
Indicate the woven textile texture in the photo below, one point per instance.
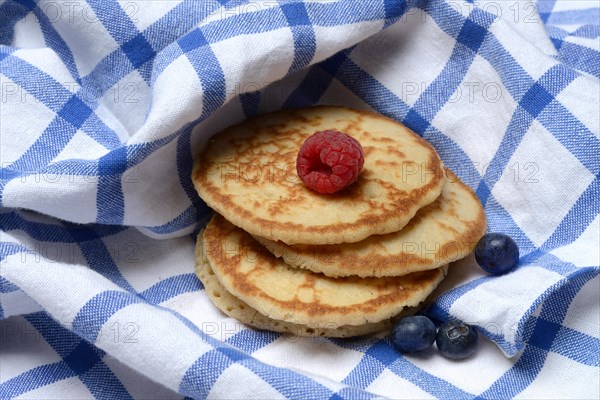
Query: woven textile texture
103,105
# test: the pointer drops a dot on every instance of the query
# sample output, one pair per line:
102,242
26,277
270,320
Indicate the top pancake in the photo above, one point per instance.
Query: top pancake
248,174
252,274
444,231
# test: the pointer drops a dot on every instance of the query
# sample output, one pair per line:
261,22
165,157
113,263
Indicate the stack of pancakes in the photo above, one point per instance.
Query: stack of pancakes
278,256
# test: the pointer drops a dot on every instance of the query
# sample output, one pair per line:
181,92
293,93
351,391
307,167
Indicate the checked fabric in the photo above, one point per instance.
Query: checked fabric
103,103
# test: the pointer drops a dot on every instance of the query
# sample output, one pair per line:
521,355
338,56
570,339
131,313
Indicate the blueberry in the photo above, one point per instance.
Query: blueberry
456,340
414,333
497,253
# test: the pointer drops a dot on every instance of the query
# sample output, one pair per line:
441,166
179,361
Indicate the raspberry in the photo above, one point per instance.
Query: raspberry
329,161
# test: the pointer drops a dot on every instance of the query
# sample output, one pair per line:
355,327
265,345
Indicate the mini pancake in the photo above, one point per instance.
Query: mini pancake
442,232
236,308
247,173
274,289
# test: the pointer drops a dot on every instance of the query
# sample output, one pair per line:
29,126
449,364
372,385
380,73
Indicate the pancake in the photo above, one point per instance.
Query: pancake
442,232
236,308
247,173
252,274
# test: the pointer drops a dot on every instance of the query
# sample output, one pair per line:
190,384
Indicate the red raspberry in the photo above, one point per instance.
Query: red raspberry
329,161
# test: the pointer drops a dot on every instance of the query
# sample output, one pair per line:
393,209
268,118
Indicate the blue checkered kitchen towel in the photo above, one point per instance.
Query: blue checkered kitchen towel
103,103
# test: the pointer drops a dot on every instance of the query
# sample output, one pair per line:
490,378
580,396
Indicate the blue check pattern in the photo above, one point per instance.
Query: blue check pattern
102,105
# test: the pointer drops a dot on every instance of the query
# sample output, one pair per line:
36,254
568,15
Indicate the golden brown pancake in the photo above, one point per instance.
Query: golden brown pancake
236,308
252,274
444,231
247,173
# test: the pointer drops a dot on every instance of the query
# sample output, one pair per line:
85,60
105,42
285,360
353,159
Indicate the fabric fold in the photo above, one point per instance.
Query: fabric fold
103,106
